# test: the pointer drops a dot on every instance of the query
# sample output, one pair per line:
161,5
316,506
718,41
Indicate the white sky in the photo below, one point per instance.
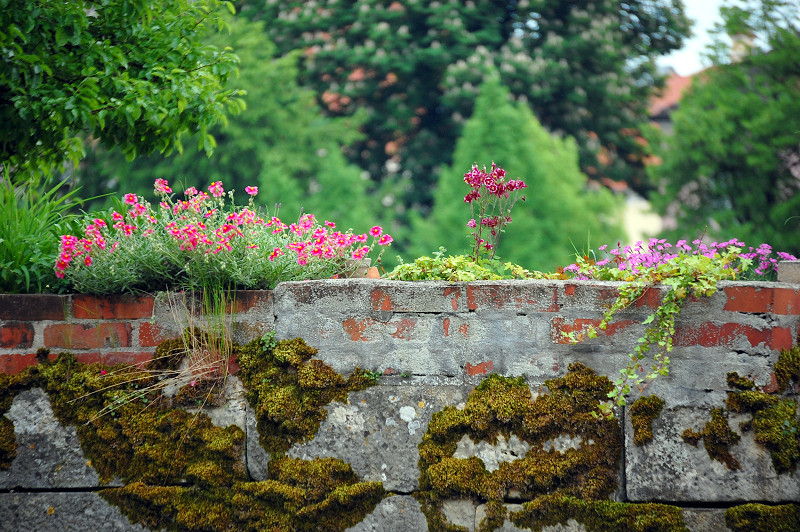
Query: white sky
688,60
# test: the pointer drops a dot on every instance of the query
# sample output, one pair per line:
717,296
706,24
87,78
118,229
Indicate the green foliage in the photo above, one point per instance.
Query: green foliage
558,209
731,167
414,67
32,217
685,275
460,268
281,143
131,74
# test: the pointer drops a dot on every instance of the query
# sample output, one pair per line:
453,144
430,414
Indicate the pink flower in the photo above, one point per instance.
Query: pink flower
162,186
117,217
359,253
385,240
330,224
216,189
191,191
99,222
137,210
376,231
472,223
251,190
131,199
277,252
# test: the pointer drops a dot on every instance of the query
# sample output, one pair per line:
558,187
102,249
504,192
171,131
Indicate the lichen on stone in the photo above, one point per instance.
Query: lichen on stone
691,436
643,412
756,517
787,368
504,406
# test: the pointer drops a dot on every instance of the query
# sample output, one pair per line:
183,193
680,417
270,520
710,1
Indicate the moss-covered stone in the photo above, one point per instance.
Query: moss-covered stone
550,510
10,386
181,471
718,437
763,518
643,412
504,406
692,437
304,495
787,368
289,390
738,382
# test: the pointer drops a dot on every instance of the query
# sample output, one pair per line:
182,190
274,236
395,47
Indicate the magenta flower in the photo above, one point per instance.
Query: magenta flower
191,191
385,240
376,231
131,199
251,190
216,189
161,186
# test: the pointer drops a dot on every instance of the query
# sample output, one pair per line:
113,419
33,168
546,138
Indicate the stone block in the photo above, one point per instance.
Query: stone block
62,512
398,513
378,432
48,454
673,471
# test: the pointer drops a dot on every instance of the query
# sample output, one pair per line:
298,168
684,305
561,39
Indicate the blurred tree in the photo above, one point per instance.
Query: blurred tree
560,213
281,143
730,168
130,74
585,68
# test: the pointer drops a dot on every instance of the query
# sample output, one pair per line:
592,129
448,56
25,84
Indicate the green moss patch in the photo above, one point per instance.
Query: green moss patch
718,437
763,518
787,368
643,412
550,510
289,389
184,473
504,406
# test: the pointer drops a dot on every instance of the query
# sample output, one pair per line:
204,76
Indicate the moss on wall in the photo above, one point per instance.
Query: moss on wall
763,518
184,473
602,516
643,412
289,389
787,368
504,406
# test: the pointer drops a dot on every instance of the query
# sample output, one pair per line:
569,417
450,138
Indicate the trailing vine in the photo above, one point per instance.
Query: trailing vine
685,275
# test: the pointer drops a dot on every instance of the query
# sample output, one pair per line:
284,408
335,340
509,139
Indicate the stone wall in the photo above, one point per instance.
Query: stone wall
432,342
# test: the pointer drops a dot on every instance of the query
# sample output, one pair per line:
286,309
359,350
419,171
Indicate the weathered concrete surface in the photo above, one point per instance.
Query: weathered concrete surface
670,470
378,431
48,454
60,512
398,513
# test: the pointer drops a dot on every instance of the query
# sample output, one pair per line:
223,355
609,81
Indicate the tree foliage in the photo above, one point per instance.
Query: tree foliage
586,69
559,213
134,74
281,143
731,167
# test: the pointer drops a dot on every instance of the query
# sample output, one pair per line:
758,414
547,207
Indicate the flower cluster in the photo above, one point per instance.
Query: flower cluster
190,232
621,262
491,200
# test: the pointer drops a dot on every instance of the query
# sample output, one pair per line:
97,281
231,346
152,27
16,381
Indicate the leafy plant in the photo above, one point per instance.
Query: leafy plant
686,271
459,268
31,217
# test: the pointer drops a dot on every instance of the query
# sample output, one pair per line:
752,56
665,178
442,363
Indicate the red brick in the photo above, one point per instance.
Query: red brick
446,326
16,335
79,336
245,300
511,297
748,299
118,307
150,334
650,298
355,329
786,301
455,293
560,326
33,307
116,357
15,363
712,335
404,329
479,369
380,300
